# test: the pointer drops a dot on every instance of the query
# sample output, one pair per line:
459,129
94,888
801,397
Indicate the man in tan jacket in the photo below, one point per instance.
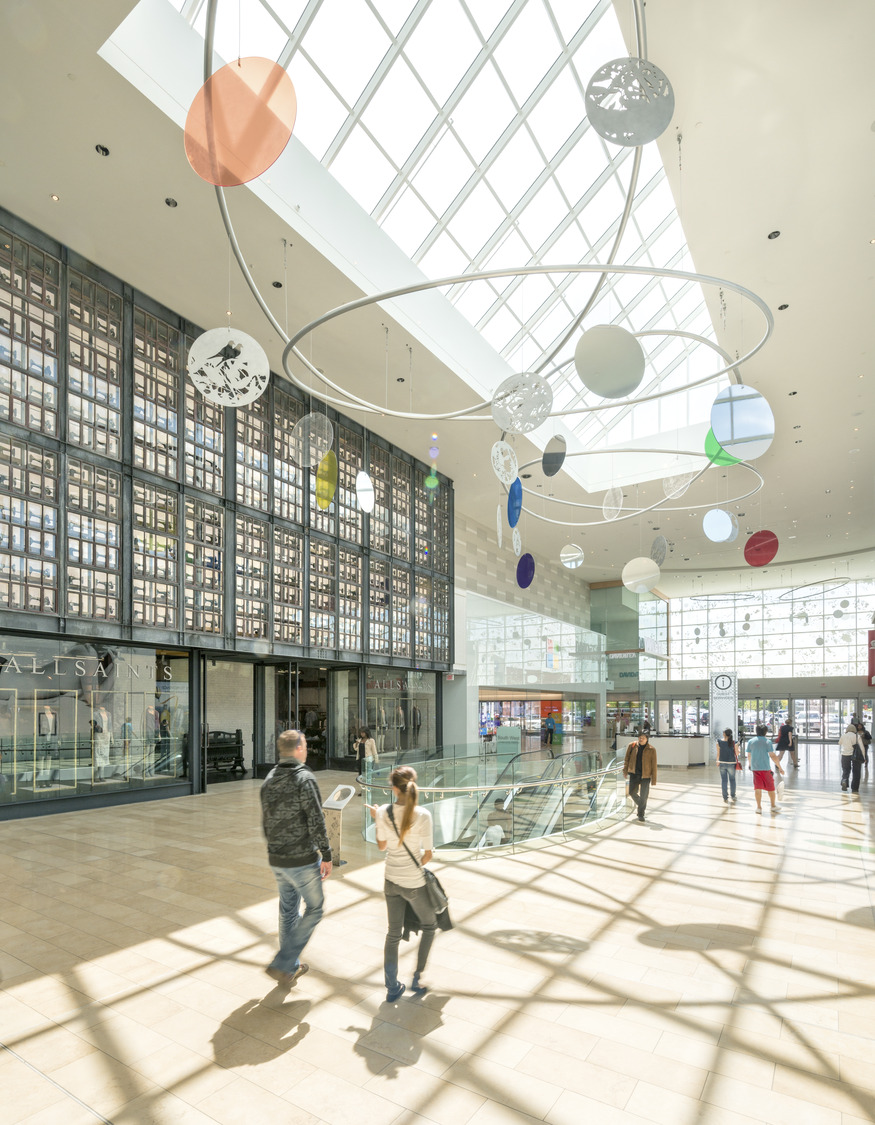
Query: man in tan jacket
640,768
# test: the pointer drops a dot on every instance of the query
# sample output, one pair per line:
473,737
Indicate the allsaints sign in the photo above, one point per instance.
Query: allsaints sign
80,667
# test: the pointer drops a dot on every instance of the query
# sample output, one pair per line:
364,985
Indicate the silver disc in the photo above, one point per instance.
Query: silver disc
228,367
522,403
629,102
504,463
312,437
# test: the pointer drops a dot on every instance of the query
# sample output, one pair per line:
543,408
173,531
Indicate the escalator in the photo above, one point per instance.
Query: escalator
525,803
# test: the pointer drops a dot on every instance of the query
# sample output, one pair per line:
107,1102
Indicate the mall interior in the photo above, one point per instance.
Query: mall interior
491,379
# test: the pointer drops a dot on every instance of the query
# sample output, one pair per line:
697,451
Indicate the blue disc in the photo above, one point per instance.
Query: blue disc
515,502
525,571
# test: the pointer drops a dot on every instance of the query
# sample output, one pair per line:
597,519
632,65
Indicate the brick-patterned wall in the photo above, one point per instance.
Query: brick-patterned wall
484,568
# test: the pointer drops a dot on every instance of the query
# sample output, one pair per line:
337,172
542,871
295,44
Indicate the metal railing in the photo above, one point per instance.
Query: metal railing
477,804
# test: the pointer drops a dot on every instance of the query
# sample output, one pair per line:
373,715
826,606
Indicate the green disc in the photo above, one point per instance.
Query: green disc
715,452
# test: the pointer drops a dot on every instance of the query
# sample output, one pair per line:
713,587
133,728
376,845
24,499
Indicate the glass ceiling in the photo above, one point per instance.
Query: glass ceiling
459,126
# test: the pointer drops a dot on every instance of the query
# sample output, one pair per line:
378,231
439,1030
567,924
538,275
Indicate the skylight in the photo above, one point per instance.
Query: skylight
462,132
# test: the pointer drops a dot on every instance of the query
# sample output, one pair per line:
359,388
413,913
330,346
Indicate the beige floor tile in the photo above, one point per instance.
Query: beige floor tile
25,1092
51,1047
273,1068
160,1108
820,1090
601,1083
769,1106
574,1109
244,1103
337,1102
513,1087
672,1074
102,1082
184,1073
427,1095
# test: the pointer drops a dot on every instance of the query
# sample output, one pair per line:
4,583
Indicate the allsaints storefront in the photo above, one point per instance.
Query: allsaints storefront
172,593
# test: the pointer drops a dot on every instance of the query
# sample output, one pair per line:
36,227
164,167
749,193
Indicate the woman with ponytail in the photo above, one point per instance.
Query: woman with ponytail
404,833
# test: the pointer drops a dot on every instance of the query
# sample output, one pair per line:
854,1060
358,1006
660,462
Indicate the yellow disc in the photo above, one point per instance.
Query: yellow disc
326,480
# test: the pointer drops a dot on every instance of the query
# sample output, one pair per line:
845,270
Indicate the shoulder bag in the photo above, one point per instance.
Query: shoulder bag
437,896
738,764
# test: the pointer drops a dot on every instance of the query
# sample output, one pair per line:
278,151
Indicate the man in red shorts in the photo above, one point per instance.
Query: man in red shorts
759,755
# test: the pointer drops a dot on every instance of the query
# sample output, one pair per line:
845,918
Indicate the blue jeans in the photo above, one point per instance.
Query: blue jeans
297,884
727,775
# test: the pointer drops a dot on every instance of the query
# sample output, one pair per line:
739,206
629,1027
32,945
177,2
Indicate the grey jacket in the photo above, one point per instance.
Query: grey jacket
292,816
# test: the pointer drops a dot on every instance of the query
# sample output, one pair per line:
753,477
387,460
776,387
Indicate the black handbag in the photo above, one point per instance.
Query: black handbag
437,896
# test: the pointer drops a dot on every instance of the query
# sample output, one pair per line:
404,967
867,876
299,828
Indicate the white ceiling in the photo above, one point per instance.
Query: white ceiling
763,148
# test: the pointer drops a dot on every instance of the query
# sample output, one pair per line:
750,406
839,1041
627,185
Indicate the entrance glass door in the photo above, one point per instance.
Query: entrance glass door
229,720
313,713
808,718
838,715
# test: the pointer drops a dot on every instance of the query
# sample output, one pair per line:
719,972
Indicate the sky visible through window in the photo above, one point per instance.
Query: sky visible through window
459,126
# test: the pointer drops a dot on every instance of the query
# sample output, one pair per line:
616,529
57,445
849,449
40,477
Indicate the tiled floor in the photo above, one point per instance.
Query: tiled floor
711,966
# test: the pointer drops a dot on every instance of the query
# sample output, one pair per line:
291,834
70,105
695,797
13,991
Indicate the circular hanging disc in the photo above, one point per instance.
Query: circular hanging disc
228,367
571,556
720,526
742,422
658,548
525,571
522,403
312,437
676,486
629,102
609,361
715,452
515,502
364,491
326,480
761,548
640,575
554,455
504,463
612,504
240,121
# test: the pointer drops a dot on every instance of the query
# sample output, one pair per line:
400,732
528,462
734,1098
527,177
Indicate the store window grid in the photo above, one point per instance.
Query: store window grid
155,556
93,541
94,365
28,526
29,331
82,575
156,389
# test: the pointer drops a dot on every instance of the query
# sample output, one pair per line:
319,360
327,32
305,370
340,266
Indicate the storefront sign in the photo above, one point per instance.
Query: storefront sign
101,667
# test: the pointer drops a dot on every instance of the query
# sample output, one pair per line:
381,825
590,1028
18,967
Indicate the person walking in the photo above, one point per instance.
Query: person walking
298,852
759,754
640,768
405,834
365,748
727,760
787,743
550,724
853,753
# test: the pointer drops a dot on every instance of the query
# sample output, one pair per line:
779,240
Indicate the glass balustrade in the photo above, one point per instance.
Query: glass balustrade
478,802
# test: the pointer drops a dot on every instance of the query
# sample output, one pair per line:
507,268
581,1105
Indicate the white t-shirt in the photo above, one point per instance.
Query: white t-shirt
400,868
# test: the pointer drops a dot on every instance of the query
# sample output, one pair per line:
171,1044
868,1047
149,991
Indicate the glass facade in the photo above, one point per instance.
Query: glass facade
127,499
78,719
401,710
816,630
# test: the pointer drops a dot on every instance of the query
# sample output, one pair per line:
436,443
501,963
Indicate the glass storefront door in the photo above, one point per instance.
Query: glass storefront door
228,735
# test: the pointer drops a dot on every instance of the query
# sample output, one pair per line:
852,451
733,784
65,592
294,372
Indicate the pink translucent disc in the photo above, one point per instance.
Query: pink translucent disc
240,121
761,548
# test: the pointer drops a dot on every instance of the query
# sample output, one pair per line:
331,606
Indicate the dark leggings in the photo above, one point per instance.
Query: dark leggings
396,900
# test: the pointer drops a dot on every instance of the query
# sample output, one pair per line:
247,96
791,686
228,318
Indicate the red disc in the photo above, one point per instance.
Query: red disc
761,548
240,121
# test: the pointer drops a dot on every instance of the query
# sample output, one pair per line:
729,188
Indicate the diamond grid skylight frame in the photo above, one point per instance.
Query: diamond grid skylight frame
525,333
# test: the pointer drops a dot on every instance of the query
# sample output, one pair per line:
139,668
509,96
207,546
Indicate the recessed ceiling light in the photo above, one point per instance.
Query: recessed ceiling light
170,201
791,393
782,307
101,150
55,198
774,234
400,379
277,284
526,476
827,491
798,441
797,427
